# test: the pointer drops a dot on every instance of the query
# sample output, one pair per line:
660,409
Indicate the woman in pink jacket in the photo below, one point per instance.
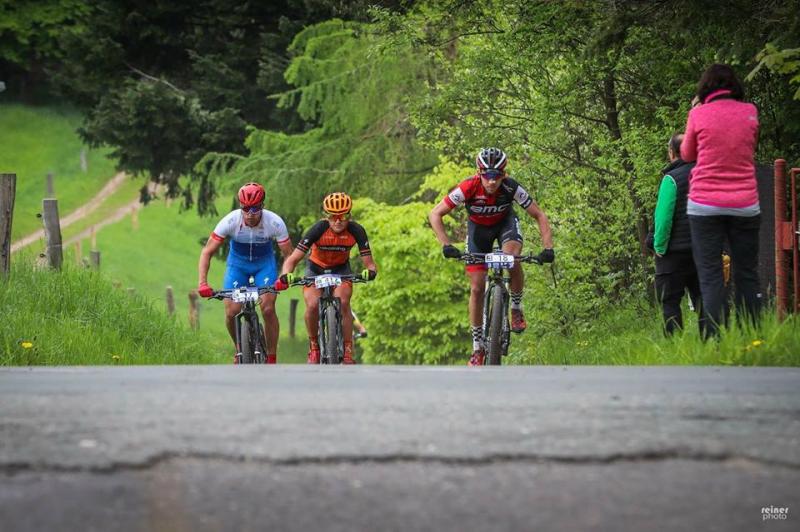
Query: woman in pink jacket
721,135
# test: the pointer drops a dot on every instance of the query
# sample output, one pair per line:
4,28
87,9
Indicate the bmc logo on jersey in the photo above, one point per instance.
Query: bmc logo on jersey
488,209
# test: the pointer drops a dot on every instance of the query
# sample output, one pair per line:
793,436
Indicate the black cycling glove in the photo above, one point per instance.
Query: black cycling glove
547,255
450,251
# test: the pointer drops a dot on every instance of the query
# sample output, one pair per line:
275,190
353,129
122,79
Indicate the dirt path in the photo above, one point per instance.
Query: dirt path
83,211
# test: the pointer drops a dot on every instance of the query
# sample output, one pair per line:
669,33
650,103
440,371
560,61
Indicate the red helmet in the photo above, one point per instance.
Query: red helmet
251,194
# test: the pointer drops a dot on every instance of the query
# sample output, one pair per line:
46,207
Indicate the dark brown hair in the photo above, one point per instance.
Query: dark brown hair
675,144
717,77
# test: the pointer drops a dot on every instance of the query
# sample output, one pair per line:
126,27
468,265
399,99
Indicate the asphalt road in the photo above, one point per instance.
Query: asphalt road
388,448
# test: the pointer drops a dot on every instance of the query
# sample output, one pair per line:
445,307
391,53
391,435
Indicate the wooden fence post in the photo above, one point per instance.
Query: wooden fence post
52,231
8,186
170,301
292,316
78,252
131,291
51,190
84,162
95,259
194,318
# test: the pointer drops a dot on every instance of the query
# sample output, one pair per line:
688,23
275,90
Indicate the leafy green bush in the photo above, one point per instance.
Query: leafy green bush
416,310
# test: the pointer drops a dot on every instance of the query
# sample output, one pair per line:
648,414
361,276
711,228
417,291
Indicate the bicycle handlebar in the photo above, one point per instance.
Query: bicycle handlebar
479,258
226,294
307,281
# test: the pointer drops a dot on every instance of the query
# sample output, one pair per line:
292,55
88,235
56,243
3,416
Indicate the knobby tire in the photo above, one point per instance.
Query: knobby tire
248,345
495,330
332,335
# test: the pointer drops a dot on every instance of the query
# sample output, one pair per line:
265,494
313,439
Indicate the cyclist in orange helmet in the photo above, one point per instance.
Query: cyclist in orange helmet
330,241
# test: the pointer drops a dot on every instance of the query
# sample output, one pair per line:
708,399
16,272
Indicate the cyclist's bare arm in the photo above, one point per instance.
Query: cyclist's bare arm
435,218
286,248
369,263
544,224
291,261
209,250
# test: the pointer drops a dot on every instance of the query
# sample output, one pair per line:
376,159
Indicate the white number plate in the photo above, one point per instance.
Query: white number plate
500,260
244,295
321,281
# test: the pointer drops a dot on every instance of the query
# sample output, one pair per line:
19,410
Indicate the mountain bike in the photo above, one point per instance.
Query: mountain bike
330,336
249,332
496,325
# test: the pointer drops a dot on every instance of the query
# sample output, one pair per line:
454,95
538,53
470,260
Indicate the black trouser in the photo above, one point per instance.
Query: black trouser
676,273
708,235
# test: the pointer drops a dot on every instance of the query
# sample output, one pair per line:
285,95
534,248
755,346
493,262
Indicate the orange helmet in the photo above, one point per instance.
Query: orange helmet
251,194
337,203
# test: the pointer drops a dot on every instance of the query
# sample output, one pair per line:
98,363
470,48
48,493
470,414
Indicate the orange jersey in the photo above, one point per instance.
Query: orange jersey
330,249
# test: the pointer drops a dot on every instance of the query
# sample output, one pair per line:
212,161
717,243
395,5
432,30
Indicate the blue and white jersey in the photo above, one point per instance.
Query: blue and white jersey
251,245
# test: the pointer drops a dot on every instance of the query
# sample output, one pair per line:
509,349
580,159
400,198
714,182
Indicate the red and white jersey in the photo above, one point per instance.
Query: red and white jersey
485,208
250,244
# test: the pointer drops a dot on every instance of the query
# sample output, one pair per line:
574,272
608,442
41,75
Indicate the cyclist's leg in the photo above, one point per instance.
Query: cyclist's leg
479,240
265,277
344,291
311,298
234,277
511,242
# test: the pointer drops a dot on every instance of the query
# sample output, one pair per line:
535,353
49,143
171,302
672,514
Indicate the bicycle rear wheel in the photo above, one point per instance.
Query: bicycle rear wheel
495,330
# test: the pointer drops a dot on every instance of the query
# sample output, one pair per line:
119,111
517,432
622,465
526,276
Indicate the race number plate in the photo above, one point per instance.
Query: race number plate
322,281
244,295
499,260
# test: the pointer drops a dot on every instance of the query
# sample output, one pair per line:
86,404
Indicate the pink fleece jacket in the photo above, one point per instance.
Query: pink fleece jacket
721,136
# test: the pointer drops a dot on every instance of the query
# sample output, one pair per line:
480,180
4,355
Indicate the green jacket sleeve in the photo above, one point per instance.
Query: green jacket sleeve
665,208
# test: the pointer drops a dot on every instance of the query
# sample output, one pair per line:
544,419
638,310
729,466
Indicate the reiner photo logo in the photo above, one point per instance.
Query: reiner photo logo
773,512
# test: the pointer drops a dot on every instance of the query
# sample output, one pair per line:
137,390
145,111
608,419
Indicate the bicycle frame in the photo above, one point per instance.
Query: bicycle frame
496,278
331,342
497,329
248,296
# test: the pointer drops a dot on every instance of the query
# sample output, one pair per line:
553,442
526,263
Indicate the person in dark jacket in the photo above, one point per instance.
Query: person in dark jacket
672,242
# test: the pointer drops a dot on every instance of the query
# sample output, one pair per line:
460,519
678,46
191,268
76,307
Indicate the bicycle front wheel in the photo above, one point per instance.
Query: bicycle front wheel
248,341
494,338
332,344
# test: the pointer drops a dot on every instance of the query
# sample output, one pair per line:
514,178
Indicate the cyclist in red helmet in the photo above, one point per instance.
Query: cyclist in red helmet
489,196
251,230
330,241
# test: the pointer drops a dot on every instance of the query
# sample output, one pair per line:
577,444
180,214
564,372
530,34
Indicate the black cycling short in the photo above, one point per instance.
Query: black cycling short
313,268
481,238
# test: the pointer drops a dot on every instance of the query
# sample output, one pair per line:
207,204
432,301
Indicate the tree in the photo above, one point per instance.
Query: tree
190,75
353,93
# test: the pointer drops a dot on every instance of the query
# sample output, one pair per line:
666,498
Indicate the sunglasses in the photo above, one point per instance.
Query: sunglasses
492,175
252,210
338,217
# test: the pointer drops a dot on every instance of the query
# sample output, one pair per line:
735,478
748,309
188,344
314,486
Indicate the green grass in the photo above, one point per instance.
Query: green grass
76,317
164,250
632,336
38,140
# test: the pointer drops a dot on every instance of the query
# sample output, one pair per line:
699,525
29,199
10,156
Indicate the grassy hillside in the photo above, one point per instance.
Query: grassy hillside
38,140
76,317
